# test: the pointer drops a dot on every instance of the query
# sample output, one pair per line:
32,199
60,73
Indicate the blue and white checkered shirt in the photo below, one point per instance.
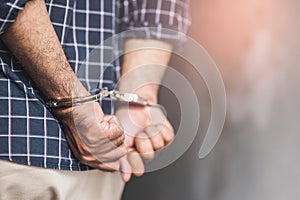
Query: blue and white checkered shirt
29,134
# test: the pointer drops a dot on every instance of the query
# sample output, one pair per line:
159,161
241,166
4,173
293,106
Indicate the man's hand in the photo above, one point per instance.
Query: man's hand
92,137
146,131
144,125
95,140
146,128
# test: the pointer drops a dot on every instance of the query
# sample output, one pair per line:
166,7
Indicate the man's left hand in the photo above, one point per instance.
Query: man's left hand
146,131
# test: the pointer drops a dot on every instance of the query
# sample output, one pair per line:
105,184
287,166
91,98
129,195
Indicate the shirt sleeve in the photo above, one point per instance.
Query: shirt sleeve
155,19
9,11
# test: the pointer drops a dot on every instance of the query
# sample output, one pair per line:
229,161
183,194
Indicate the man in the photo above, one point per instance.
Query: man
43,47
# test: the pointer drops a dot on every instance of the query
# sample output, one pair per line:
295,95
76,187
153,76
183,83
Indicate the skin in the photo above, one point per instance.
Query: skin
95,139
147,129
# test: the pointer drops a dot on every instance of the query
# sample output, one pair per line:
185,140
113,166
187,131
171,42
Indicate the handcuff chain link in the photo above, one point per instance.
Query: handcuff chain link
104,92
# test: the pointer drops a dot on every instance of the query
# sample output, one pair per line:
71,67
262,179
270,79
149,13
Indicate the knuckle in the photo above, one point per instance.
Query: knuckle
120,140
158,144
148,156
116,132
169,138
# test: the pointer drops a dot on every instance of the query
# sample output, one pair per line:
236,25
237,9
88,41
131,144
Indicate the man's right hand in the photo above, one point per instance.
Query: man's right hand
95,140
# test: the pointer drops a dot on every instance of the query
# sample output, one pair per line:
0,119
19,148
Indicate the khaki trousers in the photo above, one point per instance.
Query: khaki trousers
25,182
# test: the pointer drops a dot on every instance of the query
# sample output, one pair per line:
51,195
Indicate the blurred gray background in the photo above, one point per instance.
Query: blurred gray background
256,45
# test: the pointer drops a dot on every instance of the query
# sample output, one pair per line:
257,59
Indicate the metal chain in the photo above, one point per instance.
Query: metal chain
98,95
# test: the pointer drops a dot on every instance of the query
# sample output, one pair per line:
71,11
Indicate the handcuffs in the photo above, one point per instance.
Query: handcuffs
98,95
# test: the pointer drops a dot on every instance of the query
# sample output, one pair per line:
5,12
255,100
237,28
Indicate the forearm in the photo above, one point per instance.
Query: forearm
144,80
144,64
32,39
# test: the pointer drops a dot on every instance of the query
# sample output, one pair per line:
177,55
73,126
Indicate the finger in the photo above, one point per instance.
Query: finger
136,163
155,137
167,132
109,166
129,141
125,169
111,156
104,145
144,146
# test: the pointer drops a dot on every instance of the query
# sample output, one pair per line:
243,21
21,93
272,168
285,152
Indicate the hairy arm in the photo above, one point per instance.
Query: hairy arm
93,138
33,41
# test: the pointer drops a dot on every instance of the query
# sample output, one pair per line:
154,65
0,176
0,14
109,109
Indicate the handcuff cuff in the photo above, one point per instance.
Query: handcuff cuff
98,95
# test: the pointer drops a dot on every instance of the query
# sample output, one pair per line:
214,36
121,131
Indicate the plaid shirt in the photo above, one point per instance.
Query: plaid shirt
29,134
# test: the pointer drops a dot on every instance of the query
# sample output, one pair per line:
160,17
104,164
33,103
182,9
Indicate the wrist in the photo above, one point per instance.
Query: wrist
90,110
149,92
150,95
